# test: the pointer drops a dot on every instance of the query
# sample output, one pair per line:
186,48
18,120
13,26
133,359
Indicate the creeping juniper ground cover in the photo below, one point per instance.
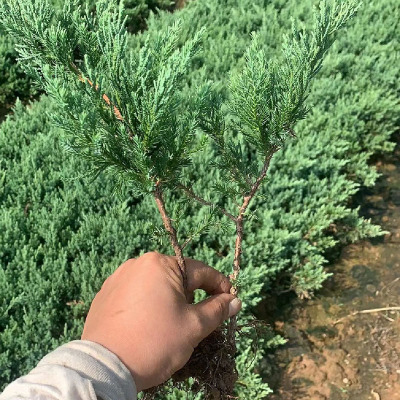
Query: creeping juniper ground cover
61,236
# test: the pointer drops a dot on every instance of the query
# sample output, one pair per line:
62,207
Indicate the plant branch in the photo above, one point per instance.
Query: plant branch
239,238
158,196
291,132
189,192
191,237
240,218
117,113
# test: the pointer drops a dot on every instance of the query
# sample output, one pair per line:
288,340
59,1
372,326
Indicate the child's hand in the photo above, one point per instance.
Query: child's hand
142,315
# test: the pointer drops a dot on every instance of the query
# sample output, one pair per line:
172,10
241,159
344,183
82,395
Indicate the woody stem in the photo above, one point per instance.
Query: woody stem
239,220
158,196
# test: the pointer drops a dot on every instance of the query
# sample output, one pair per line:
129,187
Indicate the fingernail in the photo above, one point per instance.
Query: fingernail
234,306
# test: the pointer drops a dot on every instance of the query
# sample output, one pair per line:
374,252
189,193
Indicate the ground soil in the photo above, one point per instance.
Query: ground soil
359,356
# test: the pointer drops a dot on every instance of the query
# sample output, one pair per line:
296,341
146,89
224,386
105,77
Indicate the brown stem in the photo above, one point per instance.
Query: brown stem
238,244
292,132
171,231
105,97
189,192
240,217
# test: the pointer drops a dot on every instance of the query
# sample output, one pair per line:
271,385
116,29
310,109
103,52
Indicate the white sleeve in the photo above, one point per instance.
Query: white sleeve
78,370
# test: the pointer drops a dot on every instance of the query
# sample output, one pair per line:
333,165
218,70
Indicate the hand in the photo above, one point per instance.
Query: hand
142,315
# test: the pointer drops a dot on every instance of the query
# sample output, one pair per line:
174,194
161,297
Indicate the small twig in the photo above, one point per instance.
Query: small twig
189,192
26,209
376,395
389,285
186,242
373,310
117,113
387,318
107,100
171,231
191,237
292,132
240,218
285,291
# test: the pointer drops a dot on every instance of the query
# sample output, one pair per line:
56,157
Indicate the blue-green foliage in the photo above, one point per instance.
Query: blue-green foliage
137,11
61,237
46,257
14,82
355,110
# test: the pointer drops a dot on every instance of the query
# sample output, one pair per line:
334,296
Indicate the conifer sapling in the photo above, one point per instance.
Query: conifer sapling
125,113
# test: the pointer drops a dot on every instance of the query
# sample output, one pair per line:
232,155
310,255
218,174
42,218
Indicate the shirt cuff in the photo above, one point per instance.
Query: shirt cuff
109,376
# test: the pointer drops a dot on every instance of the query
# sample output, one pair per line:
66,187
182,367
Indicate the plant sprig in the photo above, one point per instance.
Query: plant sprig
124,112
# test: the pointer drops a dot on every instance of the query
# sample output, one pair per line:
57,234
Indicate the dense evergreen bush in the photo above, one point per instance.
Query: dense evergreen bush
60,237
14,82
137,11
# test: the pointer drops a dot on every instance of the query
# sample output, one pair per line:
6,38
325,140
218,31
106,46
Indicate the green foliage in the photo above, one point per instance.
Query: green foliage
312,178
154,140
51,262
15,83
153,137
71,236
267,97
136,11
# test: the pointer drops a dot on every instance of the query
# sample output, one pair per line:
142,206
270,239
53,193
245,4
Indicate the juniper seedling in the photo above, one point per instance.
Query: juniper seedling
125,113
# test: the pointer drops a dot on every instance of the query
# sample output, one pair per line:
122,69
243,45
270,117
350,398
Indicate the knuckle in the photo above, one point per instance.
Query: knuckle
172,264
130,261
151,255
160,262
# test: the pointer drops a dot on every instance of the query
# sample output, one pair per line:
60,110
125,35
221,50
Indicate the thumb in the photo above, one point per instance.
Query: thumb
212,312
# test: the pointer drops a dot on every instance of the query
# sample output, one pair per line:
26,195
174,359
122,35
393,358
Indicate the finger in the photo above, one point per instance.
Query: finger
201,276
212,312
190,297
